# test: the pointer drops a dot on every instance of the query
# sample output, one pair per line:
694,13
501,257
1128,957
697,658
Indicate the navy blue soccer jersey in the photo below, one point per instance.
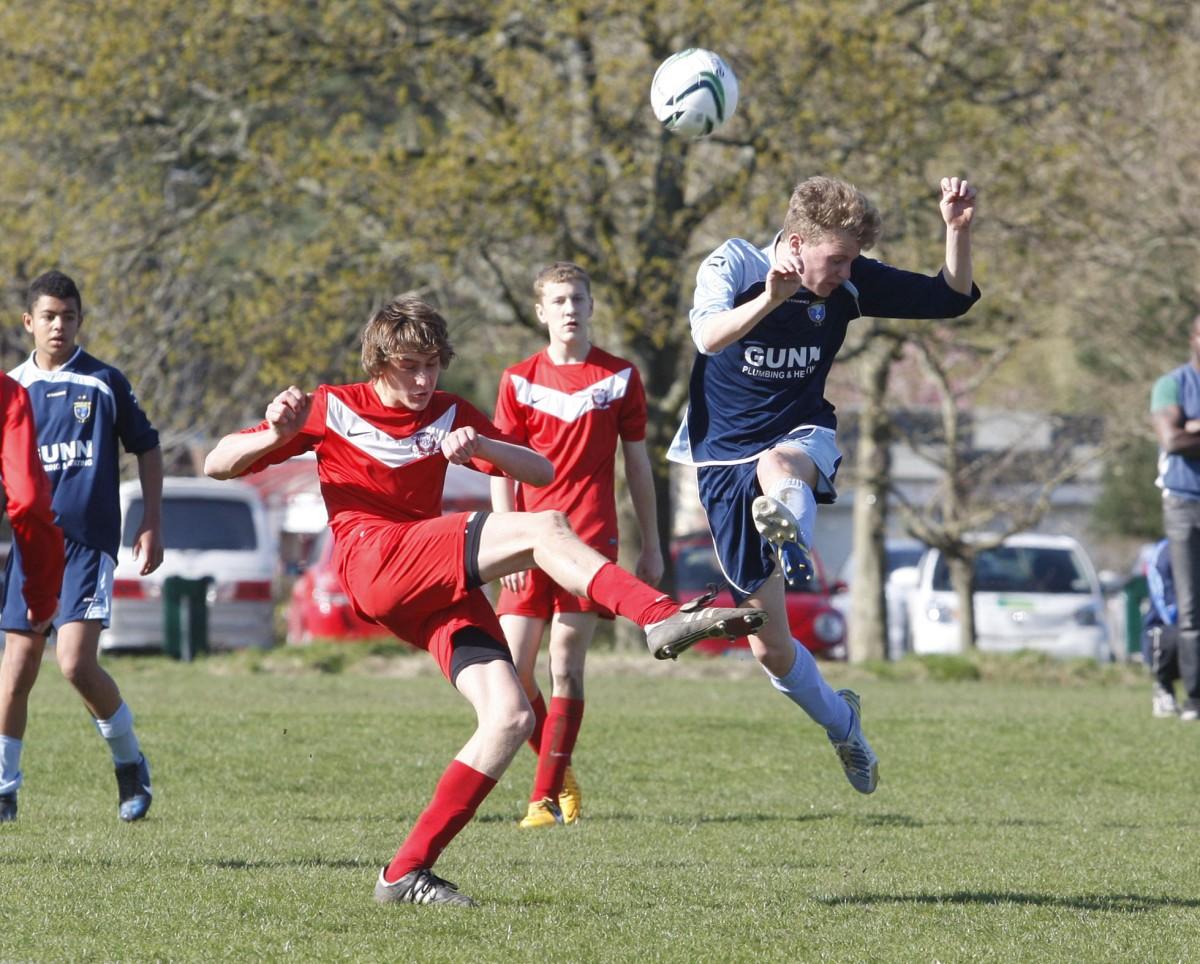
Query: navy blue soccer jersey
743,399
81,410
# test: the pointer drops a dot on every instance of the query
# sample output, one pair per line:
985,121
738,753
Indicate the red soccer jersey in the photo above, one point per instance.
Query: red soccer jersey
378,463
27,501
575,415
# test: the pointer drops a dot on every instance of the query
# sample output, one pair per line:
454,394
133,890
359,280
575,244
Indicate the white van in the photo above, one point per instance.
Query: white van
1037,592
210,528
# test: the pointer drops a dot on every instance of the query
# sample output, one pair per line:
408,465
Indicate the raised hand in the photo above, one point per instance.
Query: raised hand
957,203
288,410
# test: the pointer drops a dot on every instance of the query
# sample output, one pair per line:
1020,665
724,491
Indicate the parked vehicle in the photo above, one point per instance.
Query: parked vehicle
319,607
901,557
210,528
811,615
1037,592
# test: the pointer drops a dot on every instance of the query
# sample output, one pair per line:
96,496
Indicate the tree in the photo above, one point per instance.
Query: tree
238,185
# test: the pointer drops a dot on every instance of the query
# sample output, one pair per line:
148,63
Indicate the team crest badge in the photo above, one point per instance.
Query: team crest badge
601,398
816,313
425,442
81,408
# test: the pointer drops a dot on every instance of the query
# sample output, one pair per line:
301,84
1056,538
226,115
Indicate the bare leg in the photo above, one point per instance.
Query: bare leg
504,716
78,658
570,636
524,636
515,541
18,672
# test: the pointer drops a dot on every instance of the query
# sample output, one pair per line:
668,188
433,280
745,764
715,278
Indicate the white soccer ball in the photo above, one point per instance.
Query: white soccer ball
693,92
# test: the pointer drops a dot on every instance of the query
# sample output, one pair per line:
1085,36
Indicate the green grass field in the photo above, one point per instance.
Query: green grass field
1017,820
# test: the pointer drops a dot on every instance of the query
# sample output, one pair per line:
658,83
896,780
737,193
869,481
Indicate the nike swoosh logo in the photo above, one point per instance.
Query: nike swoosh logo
365,431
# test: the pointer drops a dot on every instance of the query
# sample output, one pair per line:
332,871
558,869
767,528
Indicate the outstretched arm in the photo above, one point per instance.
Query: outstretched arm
958,210
515,461
235,453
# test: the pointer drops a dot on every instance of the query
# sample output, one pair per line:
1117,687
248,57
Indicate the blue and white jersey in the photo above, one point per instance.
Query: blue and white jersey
1163,609
746,397
81,410
1178,475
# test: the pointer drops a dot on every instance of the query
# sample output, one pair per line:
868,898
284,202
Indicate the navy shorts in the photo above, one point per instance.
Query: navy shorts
86,589
727,493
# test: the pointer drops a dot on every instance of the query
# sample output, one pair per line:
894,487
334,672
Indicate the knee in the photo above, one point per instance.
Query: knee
523,723
18,679
553,524
516,727
71,667
568,680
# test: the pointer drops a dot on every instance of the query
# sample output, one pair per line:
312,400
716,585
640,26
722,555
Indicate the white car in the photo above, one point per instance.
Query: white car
1036,592
900,558
210,528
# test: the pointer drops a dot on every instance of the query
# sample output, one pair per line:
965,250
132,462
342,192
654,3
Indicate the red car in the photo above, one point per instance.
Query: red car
811,615
319,607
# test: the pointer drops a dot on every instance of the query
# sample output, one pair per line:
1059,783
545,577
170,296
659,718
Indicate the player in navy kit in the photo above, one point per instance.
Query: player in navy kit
82,409
767,324
382,449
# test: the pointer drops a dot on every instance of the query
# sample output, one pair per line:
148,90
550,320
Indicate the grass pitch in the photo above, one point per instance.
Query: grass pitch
1017,820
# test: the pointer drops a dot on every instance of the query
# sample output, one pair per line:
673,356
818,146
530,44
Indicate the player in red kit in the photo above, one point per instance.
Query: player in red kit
574,403
38,540
382,449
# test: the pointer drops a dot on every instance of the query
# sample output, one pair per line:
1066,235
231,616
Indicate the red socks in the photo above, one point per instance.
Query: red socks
626,595
558,742
459,793
539,721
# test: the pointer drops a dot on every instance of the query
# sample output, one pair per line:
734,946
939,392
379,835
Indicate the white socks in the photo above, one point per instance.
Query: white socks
118,731
799,498
806,687
10,764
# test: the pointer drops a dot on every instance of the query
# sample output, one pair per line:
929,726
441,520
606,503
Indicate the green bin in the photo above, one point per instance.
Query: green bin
1136,592
178,592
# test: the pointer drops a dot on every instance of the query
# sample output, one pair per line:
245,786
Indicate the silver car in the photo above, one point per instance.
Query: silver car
210,529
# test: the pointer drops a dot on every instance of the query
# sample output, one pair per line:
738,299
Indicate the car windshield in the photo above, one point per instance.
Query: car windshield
1021,569
696,566
900,556
194,522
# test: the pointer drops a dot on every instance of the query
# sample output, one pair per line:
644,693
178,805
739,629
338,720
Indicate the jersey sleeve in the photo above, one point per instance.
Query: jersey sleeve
632,424
1165,394
309,436
1159,581
468,414
27,499
509,417
136,433
888,292
717,283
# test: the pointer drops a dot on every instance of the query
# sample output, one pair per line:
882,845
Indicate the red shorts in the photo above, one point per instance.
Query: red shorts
411,577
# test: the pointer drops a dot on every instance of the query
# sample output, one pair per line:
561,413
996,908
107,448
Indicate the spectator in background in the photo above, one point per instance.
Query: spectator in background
1175,411
1160,634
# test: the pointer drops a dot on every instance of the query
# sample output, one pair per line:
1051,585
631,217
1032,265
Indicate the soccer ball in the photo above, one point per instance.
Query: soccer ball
693,92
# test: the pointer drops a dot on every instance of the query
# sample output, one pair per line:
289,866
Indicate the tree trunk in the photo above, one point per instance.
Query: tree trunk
873,464
962,578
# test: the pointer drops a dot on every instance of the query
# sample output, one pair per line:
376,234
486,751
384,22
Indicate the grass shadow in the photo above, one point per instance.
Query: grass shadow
1122,903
